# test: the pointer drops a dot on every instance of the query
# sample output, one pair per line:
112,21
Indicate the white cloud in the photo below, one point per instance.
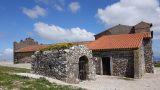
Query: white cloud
74,6
59,34
6,54
130,12
58,7
34,12
56,4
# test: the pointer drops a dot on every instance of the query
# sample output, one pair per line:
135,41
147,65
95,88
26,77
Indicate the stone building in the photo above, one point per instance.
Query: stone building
24,49
123,43
70,65
119,51
122,55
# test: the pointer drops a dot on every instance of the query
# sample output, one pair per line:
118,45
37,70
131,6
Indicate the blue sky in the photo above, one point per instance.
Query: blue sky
29,18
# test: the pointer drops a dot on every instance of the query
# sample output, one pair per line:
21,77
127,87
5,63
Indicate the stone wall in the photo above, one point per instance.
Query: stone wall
139,62
148,54
22,57
98,65
73,56
63,64
50,63
122,62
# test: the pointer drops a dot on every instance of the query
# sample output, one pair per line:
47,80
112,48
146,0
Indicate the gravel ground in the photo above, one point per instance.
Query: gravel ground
10,64
148,82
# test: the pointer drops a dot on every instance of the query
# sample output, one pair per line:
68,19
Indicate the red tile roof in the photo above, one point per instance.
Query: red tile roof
123,41
32,48
146,34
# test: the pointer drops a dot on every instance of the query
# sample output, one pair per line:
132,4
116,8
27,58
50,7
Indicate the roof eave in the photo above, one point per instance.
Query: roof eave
115,49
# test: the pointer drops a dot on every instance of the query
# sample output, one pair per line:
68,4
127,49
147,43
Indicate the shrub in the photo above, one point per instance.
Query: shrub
57,47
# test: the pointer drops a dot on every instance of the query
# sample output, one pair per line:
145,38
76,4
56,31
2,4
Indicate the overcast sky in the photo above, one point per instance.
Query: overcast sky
52,21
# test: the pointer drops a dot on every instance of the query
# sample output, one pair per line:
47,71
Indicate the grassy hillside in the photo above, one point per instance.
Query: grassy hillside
157,63
9,81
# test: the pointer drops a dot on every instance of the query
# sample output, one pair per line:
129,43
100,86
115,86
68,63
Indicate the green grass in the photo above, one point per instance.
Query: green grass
157,64
9,81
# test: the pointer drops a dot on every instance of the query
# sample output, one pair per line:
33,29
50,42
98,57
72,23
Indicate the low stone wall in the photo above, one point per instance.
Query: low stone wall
50,63
63,64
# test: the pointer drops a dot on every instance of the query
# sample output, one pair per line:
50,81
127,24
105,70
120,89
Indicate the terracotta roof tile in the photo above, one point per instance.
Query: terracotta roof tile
105,42
123,41
147,35
32,48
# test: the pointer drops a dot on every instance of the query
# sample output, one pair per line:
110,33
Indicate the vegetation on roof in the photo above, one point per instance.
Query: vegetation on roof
58,47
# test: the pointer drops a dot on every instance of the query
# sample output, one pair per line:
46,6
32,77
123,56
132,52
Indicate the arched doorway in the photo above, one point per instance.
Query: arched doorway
83,68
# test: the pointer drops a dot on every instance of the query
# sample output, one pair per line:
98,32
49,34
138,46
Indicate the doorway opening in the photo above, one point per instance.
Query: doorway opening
83,68
106,66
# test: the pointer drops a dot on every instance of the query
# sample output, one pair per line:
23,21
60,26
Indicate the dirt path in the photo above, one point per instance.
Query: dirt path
10,64
148,82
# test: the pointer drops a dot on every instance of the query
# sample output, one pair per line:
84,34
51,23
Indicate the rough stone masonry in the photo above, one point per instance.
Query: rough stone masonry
64,64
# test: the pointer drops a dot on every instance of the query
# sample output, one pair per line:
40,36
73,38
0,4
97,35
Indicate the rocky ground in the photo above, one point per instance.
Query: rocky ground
148,82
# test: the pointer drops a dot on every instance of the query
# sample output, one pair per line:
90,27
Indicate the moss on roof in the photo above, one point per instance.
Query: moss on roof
58,46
